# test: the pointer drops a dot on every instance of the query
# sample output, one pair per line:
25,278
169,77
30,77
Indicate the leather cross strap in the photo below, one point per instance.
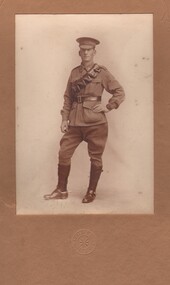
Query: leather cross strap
86,79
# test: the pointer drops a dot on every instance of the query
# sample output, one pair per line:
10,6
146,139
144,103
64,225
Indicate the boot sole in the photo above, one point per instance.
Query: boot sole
55,198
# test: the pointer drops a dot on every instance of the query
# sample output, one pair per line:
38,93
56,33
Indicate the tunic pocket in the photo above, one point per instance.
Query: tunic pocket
89,115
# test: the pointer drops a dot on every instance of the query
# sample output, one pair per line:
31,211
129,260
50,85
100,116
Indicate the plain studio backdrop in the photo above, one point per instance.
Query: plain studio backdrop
46,52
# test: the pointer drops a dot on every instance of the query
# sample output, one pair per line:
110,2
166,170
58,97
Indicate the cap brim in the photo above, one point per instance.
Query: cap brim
87,46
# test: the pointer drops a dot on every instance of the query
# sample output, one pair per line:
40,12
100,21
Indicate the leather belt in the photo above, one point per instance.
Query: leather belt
81,99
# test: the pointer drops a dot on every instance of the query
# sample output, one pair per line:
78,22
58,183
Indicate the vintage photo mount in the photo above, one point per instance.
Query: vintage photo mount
147,236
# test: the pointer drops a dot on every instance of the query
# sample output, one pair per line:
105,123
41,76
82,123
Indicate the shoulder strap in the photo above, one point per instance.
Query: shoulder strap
76,67
104,68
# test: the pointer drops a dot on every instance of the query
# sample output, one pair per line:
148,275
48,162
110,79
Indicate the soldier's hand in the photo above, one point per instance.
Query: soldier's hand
100,108
64,126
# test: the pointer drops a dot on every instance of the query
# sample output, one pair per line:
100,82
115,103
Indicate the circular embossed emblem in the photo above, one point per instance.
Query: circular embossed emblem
84,241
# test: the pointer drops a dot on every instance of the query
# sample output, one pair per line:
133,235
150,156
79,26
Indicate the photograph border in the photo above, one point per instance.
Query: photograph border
124,249
43,63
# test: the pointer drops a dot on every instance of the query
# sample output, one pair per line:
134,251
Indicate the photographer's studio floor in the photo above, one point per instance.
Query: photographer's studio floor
109,200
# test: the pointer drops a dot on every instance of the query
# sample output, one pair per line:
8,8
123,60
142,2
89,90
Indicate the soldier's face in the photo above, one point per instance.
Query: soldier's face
87,54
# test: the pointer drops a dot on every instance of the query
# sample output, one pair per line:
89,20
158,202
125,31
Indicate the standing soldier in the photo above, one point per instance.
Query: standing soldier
83,117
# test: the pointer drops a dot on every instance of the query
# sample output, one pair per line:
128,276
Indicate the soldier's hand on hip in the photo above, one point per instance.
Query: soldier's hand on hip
64,126
100,108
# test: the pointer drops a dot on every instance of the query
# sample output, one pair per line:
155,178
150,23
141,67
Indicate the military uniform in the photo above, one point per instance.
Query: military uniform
78,109
83,93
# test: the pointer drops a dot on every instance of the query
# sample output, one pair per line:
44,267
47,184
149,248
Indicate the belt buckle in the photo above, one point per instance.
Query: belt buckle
79,99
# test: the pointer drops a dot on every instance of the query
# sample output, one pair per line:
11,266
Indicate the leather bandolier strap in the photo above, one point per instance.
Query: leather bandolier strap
86,79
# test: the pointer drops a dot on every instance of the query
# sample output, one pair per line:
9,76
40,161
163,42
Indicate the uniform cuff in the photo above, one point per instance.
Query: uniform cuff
112,106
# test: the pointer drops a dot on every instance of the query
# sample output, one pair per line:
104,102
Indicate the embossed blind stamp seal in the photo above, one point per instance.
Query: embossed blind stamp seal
84,241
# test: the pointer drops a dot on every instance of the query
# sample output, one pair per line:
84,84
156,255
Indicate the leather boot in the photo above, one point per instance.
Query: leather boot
95,173
61,190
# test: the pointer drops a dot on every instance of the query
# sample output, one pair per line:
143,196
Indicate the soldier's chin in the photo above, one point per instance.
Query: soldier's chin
86,59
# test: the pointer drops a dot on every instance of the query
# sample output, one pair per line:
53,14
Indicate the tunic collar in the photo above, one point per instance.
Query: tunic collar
82,67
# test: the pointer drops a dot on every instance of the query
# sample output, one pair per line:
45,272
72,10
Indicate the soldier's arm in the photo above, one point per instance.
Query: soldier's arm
67,101
112,86
66,107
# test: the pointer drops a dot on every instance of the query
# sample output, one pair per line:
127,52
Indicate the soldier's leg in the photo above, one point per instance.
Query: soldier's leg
68,144
96,138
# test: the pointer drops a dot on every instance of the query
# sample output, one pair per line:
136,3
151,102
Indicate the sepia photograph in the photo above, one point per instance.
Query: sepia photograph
84,114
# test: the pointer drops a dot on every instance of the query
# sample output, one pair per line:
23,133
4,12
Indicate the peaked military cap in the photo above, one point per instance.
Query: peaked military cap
86,42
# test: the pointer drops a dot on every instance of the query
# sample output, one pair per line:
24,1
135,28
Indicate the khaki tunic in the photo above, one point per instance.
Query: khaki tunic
82,114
